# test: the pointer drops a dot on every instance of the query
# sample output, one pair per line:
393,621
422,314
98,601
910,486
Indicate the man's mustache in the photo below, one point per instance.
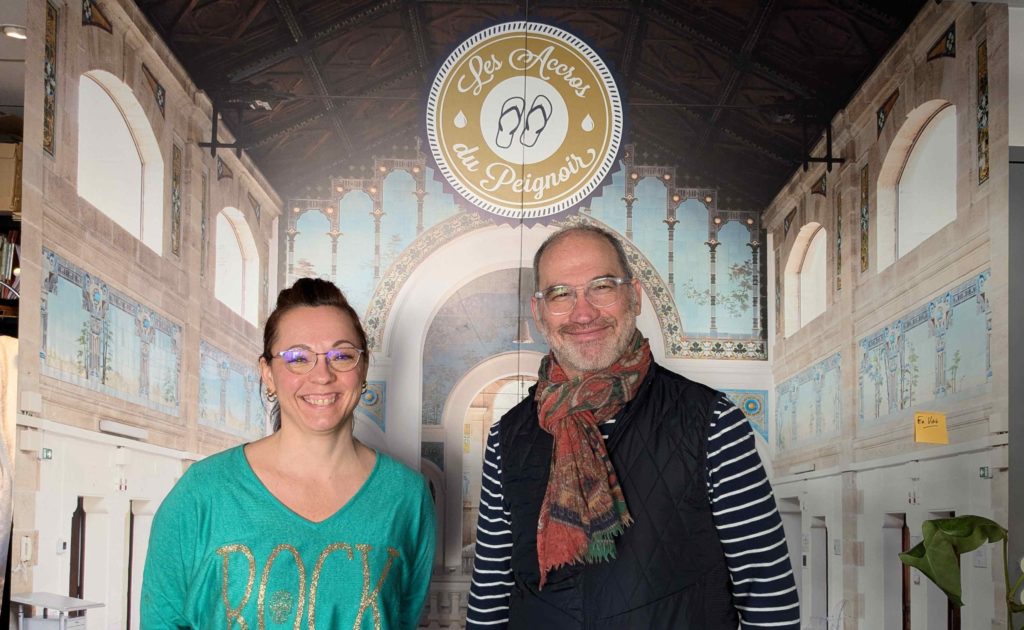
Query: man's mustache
570,329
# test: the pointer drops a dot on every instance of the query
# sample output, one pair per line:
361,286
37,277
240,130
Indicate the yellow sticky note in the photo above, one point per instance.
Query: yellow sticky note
930,427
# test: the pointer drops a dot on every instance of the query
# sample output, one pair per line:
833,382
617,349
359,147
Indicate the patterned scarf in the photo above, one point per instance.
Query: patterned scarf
584,508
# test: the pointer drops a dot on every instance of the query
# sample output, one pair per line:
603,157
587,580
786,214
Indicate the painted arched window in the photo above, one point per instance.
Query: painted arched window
812,279
120,169
237,276
926,193
806,279
916,190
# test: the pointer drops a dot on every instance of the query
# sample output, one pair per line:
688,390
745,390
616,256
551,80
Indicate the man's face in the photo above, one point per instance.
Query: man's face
587,338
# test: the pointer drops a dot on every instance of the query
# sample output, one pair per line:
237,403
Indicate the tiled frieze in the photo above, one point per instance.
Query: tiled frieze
939,350
96,337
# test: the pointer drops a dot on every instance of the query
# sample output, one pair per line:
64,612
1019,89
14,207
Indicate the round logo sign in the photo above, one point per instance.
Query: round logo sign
524,120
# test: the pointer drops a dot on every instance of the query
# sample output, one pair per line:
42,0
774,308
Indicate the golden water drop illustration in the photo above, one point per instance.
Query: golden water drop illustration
588,123
460,120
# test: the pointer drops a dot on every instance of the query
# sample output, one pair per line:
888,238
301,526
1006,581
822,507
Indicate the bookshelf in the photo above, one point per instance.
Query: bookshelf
10,268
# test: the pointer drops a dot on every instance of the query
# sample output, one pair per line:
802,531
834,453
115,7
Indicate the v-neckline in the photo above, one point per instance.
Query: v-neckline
268,495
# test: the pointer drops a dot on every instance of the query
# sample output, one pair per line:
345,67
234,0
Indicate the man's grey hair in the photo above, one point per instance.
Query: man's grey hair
613,240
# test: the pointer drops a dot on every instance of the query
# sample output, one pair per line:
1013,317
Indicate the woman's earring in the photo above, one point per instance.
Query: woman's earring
271,396
364,387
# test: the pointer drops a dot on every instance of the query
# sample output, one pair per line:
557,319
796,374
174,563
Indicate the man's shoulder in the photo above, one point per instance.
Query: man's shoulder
523,411
524,407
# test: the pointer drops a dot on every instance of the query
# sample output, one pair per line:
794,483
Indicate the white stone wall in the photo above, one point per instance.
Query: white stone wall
835,495
117,477
866,480
114,474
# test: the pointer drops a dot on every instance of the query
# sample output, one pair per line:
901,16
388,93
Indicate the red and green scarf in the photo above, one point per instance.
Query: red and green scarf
584,508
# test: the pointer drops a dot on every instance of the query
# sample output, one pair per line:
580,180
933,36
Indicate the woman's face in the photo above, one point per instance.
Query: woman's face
321,400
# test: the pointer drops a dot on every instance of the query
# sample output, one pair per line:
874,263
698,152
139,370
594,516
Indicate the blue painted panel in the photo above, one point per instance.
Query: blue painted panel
693,267
754,404
355,249
607,206
398,223
476,323
809,405
734,313
940,350
96,337
438,205
312,257
67,330
650,233
122,352
229,394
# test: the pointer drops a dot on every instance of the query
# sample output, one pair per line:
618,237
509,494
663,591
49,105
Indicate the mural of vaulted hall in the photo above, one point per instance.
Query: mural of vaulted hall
814,196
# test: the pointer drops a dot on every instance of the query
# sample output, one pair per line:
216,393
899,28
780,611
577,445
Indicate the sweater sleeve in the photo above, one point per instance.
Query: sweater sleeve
491,587
425,543
166,575
748,524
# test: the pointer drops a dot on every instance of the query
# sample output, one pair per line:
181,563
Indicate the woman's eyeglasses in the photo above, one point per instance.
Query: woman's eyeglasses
302,360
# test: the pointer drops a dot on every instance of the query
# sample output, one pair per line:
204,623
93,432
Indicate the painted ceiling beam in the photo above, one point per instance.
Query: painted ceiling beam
739,68
343,24
669,15
314,74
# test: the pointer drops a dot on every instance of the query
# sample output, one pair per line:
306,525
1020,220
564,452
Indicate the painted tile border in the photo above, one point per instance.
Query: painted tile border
790,386
101,296
935,313
371,404
50,81
227,362
754,404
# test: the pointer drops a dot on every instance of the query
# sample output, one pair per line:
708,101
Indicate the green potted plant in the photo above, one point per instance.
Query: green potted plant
937,556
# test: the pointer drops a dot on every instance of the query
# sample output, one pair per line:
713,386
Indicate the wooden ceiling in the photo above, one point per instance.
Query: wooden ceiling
726,91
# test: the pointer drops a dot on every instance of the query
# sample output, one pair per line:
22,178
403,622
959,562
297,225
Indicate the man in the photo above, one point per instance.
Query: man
619,494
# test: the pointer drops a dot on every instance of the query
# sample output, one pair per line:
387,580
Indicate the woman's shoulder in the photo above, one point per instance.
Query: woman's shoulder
392,468
398,475
214,469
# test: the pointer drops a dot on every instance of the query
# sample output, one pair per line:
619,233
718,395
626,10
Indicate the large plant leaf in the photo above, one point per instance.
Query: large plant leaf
945,539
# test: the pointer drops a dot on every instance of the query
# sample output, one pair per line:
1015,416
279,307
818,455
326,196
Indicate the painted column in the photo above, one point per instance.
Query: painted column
421,193
671,222
940,316
290,234
713,246
893,360
377,214
755,299
334,234
629,199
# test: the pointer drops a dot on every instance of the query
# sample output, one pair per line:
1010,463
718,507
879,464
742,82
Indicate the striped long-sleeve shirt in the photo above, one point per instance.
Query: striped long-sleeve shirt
743,510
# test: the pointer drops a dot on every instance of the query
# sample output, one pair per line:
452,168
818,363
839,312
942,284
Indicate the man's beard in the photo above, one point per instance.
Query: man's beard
593,356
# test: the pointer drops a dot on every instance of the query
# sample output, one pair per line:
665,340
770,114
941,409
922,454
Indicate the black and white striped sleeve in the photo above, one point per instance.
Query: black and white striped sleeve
748,524
492,567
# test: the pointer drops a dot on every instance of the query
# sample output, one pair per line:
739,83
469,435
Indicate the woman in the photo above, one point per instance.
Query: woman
306,527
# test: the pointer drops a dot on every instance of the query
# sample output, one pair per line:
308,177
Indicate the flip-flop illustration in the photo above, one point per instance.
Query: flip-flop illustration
536,120
509,121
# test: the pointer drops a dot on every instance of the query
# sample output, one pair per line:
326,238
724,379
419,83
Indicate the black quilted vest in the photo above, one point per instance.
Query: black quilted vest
669,570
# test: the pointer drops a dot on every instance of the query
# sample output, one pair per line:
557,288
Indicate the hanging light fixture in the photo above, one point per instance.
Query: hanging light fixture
523,334
15,31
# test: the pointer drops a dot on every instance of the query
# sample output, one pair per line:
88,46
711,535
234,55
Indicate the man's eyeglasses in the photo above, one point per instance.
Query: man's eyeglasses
600,292
302,361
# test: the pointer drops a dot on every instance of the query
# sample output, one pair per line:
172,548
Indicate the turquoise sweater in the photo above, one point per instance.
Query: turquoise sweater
224,553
